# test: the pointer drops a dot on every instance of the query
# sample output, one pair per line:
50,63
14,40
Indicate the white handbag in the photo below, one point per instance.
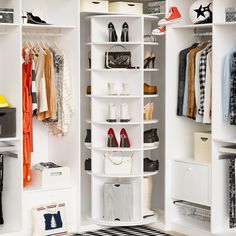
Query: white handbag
117,163
49,220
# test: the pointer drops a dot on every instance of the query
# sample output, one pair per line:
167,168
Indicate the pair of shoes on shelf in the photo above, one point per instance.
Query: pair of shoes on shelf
89,90
112,89
31,19
151,138
150,165
172,17
113,35
88,164
88,138
149,57
148,111
149,38
149,90
112,113
124,139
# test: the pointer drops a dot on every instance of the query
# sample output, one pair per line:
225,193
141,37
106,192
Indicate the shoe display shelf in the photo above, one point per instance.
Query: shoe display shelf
100,98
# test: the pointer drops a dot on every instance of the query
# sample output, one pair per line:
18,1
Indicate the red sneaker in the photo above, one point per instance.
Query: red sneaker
161,30
174,16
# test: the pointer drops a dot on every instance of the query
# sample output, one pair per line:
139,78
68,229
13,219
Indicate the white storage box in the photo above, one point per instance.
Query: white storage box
51,178
202,146
94,6
119,165
126,7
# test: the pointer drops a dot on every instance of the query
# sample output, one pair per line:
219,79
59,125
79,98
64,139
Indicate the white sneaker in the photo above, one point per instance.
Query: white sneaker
161,30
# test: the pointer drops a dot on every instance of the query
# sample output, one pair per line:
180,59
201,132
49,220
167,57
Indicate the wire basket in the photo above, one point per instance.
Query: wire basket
196,211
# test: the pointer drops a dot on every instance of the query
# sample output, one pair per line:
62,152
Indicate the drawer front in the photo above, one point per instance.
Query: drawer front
94,6
126,7
191,183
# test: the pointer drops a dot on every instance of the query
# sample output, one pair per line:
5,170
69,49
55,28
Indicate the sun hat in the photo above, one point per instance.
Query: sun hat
3,102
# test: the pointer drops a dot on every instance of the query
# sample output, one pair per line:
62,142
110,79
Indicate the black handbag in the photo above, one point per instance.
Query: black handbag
118,59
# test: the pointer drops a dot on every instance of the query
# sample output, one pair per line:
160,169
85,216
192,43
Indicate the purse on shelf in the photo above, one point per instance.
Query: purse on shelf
117,59
50,220
118,163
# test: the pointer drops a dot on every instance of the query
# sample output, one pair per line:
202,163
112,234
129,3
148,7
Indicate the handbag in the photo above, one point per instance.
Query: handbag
118,164
118,59
49,220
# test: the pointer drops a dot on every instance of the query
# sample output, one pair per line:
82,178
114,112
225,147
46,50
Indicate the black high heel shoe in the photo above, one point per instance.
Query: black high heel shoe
152,59
125,33
147,59
112,33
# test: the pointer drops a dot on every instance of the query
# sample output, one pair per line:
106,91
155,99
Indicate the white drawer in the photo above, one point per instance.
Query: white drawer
126,7
94,6
191,182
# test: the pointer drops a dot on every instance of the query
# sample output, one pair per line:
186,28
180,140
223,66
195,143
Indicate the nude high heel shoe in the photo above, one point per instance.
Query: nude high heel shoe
111,89
147,109
151,110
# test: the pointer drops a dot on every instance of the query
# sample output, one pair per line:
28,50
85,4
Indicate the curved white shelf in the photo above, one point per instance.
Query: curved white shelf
114,96
147,174
150,148
113,123
112,176
145,221
151,96
114,43
114,70
118,149
151,43
150,70
148,122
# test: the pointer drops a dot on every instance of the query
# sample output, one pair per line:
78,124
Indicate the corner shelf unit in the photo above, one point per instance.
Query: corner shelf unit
136,100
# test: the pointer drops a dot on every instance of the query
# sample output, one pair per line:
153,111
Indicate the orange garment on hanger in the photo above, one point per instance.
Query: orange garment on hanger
27,115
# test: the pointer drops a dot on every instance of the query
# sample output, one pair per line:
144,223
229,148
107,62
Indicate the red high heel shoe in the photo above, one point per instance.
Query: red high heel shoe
124,139
111,141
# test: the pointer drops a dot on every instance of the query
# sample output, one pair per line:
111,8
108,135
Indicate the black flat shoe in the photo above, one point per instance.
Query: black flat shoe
150,165
125,33
112,33
88,164
31,19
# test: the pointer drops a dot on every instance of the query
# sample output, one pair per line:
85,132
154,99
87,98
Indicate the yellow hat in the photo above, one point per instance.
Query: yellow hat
3,102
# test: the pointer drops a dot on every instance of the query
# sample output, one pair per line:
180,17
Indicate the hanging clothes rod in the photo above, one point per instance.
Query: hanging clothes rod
40,34
205,34
227,156
9,154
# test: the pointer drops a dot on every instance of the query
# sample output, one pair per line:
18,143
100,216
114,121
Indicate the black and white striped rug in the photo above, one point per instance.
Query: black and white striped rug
125,231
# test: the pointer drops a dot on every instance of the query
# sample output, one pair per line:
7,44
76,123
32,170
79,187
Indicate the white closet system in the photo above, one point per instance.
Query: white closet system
71,29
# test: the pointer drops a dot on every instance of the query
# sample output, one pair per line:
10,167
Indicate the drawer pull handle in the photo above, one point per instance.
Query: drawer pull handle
189,169
96,2
131,5
56,173
204,139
